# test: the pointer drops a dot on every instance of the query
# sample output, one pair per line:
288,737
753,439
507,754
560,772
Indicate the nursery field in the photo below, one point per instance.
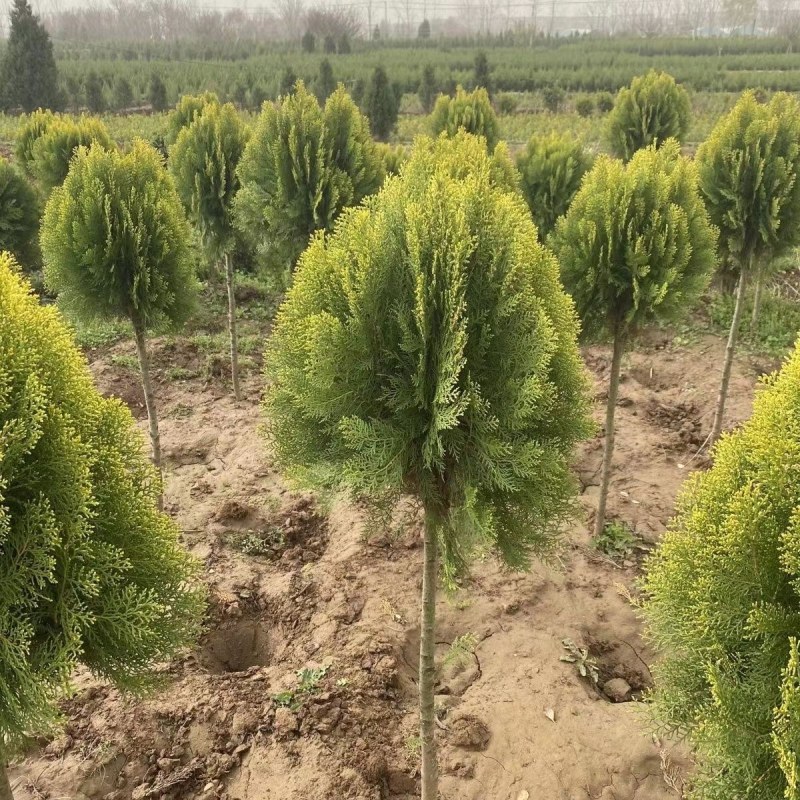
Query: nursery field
304,683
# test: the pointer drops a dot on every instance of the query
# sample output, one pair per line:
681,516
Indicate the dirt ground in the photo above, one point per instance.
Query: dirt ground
305,682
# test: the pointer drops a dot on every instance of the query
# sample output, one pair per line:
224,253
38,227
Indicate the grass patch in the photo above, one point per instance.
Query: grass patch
100,333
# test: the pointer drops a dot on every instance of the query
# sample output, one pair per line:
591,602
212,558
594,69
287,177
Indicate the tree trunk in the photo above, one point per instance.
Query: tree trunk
237,393
427,666
608,453
149,400
5,786
757,303
733,335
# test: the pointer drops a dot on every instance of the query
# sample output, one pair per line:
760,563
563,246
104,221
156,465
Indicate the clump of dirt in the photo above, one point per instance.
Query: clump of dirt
683,418
469,732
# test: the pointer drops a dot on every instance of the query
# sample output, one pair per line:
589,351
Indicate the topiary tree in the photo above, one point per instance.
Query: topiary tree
301,167
635,248
381,104
93,93
54,149
203,161
123,93
157,93
428,88
551,169
651,110
750,177
28,72
721,605
482,73
90,571
30,129
188,108
19,217
325,84
468,111
468,396
288,81
115,243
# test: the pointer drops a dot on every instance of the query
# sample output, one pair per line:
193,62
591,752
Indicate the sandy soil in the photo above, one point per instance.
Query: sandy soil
294,589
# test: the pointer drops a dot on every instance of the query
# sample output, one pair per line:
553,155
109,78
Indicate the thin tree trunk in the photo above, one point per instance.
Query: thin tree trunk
427,666
5,786
149,400
608,453
237,393
757,302
733,335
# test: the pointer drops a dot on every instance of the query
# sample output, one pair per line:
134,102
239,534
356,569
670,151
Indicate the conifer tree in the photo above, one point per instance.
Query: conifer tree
115,243
300,168
19,217
721,605
428,88
90,571
468,111
326,83
93,93
203,161
381,104
551,169
187,109
30,129
28,70
424,30
483,76
651,110
53,150
464,385
308,42
750,177
157,93
123,93
288,81
635,247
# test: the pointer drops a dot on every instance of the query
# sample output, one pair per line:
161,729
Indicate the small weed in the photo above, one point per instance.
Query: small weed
181,411
585,664
617,541
310,679
99,333
342,683
180,374
125,361
414,746
461,650
262,543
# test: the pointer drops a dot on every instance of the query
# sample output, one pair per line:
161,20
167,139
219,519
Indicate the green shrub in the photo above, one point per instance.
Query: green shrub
19,217
635,247
468,111
90,571
157,93
116,246
553,98
325,84
392,156
31,128
54,149
551,169
464,386
428,88
721,605
653,109
301,167
584,106
188,108
605,102
507,103
381,105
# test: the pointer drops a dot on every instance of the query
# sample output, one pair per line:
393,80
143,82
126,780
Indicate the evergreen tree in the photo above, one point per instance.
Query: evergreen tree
90,571
19,217
483,76
116,245
635,247
53,151
551,169
31,128
308,42
203,161
381,104
428,88
468,395
424,30
188,108
326,83
376,33
123,94
288,82
93,93
28,70
157,94
468,111
653,109
343,47
300,168
721,605
329,45
750,177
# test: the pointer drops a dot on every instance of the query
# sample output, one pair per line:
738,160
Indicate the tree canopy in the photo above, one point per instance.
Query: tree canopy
468,111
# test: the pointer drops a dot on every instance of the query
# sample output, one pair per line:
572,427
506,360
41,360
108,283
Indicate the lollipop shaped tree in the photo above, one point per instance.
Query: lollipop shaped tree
635,247
115,243
428,349
90,571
